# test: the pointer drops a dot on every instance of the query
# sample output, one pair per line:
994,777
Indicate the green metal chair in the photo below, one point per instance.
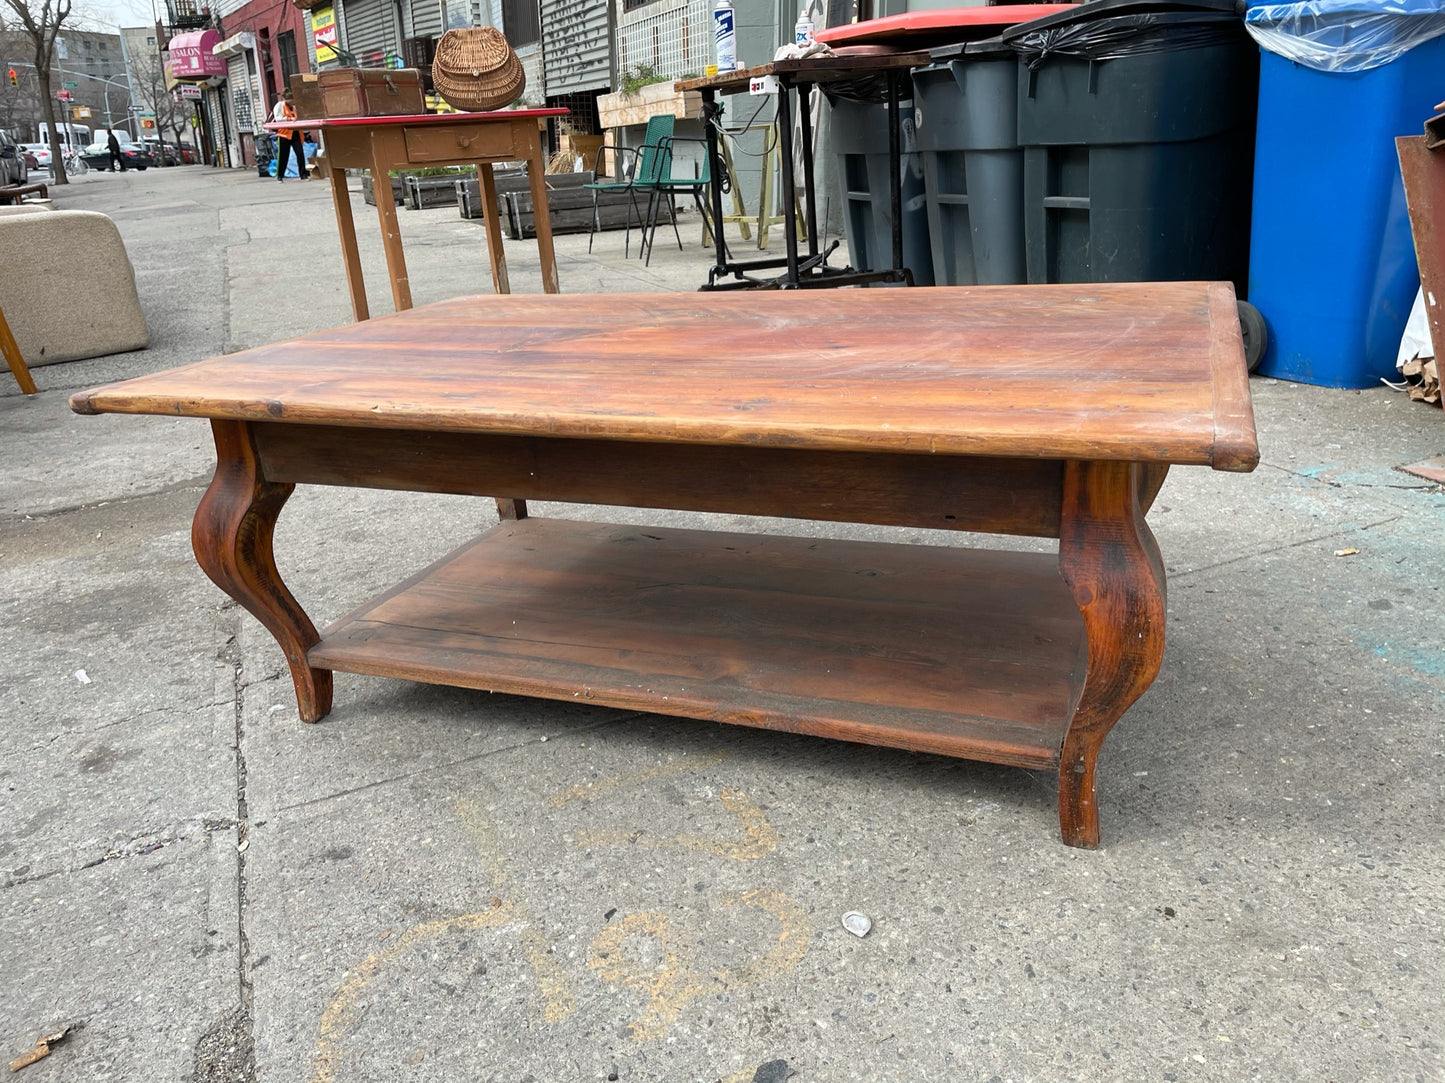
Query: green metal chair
650,163
670,187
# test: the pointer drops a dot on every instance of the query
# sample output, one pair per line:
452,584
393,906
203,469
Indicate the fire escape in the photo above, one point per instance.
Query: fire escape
184,15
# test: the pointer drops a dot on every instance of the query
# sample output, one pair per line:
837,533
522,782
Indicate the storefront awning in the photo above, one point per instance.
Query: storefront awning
193,56
235,43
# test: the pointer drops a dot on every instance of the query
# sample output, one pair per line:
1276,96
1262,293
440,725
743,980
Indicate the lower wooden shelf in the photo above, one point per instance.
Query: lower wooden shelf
963,652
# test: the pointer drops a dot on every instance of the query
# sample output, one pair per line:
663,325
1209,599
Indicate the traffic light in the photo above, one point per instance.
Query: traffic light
14,78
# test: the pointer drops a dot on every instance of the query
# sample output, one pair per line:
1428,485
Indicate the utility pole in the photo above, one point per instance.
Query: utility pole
129,83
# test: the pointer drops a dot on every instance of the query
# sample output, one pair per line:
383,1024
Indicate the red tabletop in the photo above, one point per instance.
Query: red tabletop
415,119
939,27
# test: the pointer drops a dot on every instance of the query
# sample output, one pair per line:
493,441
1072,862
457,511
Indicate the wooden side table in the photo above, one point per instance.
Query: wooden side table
381,144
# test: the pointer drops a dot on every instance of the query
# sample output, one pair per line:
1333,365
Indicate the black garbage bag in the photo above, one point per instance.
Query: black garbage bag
1117,36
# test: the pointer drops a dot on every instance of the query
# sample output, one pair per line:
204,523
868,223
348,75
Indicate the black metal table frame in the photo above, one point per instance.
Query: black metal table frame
812,272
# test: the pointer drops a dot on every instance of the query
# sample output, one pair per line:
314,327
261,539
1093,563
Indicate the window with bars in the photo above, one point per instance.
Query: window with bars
286,51
673,37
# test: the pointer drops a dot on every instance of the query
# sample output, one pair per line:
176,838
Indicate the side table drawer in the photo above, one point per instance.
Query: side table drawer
460,141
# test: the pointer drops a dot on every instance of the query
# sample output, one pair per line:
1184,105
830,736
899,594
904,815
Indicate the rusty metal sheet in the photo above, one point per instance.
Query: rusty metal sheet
1424,173
1435,129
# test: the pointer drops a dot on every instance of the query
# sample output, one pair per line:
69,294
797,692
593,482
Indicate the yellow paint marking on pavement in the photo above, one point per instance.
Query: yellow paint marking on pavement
762,837
674,983
557,999
668,986
588,791
341,1016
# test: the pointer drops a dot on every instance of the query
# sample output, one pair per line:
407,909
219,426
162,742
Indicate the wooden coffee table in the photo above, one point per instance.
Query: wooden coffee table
1047,411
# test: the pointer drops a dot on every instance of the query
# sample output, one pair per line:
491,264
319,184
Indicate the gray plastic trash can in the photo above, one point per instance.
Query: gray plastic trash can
1137,118
966,110
860,144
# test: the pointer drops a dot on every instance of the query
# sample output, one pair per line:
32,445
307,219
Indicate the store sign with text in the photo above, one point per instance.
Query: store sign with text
323,32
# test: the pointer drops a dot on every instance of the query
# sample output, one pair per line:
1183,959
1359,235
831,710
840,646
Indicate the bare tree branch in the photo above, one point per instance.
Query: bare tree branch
40,21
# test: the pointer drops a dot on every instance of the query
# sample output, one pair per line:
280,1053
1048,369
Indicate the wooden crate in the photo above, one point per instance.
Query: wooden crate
371,92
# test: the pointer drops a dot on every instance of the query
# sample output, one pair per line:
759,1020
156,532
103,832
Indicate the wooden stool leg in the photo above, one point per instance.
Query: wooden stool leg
231,536
765,195
1109,559
11,349
740,209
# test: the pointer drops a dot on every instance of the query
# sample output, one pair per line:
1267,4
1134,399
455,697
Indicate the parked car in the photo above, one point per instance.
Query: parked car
163,153
13,168
40,152
97,155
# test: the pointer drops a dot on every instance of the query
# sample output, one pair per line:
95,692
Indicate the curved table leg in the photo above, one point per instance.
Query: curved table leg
1109,559
231,536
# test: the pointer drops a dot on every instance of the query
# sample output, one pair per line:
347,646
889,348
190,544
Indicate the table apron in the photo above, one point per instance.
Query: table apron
403,147
971,493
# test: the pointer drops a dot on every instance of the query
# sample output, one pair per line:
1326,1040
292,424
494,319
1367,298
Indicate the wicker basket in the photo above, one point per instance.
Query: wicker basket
475,70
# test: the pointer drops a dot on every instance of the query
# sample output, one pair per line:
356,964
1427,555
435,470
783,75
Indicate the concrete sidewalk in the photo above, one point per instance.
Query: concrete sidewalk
438,884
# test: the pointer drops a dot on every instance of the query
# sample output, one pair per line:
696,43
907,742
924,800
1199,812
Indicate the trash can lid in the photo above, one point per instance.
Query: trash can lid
1102,9
988,49
918,29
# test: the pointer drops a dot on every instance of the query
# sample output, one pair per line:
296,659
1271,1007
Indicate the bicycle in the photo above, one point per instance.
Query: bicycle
74,163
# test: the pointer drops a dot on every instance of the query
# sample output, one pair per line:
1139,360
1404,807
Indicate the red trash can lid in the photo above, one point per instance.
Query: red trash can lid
918,29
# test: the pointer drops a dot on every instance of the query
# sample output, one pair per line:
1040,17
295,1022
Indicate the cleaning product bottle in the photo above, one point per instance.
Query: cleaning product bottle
725,35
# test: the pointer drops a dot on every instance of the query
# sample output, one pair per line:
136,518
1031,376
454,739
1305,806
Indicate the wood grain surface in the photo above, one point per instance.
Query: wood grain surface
1148,372
231,536
997,496
1109,559
957,651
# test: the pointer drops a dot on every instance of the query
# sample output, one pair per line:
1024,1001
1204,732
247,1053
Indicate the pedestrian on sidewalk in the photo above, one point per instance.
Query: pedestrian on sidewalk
112,144
288,140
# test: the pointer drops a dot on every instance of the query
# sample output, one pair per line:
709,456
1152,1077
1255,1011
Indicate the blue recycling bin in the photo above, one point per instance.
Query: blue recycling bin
1332,265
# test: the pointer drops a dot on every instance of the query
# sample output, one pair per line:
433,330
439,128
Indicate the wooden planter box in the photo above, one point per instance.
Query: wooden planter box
571,211
398,189
659,99
423,193
469,192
